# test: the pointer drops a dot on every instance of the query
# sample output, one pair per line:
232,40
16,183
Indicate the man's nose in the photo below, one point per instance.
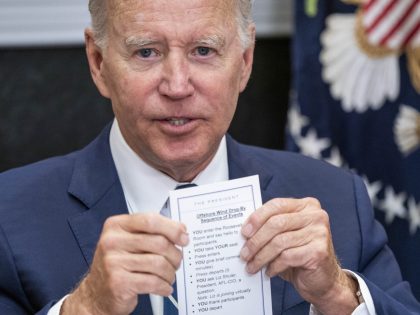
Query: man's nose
176,81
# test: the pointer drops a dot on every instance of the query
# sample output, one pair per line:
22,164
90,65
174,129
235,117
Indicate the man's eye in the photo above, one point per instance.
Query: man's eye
146,52
203,51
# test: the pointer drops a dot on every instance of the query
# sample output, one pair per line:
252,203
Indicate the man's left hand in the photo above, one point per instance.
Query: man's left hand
292,238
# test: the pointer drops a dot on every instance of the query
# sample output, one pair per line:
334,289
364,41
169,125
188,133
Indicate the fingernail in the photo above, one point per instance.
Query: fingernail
247,230
250,268
244,253
184,228
185,239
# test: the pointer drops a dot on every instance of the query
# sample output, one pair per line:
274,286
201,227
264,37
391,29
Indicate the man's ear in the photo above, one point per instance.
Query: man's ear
95,59
248,58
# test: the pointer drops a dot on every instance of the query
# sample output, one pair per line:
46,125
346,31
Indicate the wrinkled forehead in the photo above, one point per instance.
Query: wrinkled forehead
182,11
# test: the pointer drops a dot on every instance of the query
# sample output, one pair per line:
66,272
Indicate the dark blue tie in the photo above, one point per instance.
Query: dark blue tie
168,307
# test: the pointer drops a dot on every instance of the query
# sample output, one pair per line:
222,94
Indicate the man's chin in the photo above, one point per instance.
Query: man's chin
185,167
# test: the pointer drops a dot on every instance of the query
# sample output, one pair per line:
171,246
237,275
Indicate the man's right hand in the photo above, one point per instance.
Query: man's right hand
136,254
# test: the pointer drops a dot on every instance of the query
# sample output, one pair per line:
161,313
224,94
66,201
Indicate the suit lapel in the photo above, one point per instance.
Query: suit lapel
242,162
95,183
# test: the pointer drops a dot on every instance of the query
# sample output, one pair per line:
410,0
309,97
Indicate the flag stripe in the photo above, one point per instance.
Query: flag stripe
386,23
374,10
400,36
397,25
369,5
411,34
382,15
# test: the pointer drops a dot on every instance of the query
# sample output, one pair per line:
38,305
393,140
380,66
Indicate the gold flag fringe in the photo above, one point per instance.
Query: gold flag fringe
418,127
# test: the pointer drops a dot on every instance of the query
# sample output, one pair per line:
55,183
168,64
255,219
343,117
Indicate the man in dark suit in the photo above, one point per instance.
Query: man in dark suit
82,234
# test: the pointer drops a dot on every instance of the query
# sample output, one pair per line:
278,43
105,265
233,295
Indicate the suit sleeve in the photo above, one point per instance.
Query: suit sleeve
13,300
378,266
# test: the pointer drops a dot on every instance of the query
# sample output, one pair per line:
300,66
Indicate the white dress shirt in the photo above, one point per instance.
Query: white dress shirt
147,189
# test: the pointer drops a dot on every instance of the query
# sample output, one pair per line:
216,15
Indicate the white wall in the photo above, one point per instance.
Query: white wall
61,22
273,17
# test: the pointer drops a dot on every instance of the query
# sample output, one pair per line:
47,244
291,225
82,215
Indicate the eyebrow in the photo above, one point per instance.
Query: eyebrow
212,40
138,41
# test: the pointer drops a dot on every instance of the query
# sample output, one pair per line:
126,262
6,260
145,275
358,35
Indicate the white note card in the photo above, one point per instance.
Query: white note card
212,278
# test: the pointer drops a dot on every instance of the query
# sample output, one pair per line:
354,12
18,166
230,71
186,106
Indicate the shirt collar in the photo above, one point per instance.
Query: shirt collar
145,188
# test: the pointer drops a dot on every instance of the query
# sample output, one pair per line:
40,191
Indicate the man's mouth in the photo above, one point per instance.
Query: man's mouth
178,121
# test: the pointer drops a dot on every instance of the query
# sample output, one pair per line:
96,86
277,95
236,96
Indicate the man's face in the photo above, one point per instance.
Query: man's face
173,71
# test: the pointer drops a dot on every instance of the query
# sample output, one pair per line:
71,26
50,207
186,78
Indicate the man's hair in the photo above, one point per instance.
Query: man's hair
98,12
243,20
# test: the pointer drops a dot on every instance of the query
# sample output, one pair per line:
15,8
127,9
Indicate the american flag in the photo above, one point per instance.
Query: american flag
379,140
